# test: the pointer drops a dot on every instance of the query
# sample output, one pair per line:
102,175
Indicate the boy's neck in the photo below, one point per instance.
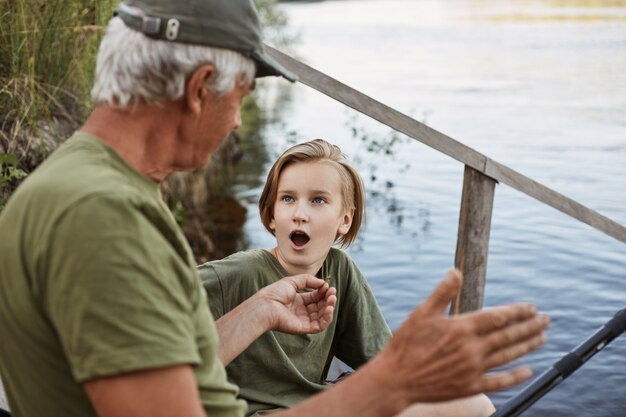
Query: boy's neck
296,269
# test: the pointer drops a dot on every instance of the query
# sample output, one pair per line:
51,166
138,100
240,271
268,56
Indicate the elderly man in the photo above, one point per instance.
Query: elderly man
98,289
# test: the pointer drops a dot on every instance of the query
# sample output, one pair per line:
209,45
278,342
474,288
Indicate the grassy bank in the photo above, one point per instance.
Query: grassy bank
47,56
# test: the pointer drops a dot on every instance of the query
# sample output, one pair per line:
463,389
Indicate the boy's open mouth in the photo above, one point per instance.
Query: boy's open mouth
299,238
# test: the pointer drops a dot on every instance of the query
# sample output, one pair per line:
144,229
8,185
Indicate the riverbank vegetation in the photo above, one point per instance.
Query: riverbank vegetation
47,55
47,60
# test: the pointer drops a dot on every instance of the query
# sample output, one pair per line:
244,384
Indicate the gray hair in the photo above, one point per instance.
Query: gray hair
132,68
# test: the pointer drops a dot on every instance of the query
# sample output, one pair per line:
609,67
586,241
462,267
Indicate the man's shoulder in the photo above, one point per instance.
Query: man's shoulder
79,168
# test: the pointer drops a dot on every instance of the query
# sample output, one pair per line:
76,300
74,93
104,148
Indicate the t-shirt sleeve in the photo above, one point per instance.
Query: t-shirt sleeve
213,287
120,295
362,331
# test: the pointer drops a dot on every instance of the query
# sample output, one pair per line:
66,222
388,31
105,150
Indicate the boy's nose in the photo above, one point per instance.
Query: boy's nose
300,213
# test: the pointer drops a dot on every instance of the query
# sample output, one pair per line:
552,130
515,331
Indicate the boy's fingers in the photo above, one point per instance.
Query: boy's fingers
305,281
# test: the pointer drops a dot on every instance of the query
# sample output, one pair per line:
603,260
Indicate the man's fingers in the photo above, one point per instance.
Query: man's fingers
503,380
509,354
520,331
495,318
443,293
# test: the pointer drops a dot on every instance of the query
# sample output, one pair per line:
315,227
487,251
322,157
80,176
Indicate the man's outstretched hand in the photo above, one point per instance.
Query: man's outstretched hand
299,304
435,357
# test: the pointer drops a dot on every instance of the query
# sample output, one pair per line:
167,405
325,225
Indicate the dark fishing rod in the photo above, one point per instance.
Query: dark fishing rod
564,367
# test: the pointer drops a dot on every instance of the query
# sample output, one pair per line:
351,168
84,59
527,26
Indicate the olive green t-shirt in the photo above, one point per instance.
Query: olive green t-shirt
279,370
97,279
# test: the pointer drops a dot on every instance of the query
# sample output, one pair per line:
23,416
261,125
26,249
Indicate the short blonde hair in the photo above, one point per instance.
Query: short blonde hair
352,190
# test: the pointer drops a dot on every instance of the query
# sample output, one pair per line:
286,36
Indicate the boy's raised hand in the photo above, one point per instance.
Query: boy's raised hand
300,304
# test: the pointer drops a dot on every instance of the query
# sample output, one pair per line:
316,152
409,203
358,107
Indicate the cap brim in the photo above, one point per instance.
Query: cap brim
268,66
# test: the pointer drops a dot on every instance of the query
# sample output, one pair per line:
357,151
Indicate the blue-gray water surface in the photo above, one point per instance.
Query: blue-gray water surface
537,85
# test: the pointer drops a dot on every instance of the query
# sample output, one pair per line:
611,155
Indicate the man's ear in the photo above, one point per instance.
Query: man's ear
346,222
196,88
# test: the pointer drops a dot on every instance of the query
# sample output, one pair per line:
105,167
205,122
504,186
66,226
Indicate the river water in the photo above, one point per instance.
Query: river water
537,85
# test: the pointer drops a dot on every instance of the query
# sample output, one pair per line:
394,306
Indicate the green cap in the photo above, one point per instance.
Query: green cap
227,24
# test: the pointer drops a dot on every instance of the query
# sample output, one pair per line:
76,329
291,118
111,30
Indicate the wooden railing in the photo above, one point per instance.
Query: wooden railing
481,175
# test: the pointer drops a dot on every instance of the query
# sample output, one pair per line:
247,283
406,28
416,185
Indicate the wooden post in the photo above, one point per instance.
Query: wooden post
472,244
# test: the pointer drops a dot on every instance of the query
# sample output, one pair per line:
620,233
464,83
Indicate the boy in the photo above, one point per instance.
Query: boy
312,199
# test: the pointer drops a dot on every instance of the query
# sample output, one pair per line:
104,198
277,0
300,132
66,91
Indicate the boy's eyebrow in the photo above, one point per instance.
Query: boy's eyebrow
321,192
324,192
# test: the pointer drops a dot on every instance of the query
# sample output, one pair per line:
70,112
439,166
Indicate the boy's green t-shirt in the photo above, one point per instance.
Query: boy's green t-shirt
279,370
97,279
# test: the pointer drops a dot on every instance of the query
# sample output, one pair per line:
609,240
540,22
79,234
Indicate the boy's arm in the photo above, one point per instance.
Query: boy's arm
299,304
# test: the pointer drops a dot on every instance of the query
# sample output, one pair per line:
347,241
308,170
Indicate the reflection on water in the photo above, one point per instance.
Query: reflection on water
537,85
554,11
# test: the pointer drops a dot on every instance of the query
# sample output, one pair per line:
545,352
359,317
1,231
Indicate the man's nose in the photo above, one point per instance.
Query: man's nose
238,119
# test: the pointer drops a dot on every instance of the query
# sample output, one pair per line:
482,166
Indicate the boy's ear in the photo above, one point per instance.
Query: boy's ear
346,222
196,88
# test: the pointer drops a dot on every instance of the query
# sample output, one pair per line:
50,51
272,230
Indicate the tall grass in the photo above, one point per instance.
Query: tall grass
47,51
47,54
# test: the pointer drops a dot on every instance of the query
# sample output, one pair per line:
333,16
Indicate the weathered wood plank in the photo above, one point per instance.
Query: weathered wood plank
436,140
472,246
554,199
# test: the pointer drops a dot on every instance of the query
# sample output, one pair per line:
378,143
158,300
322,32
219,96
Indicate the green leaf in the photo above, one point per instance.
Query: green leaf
8,159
